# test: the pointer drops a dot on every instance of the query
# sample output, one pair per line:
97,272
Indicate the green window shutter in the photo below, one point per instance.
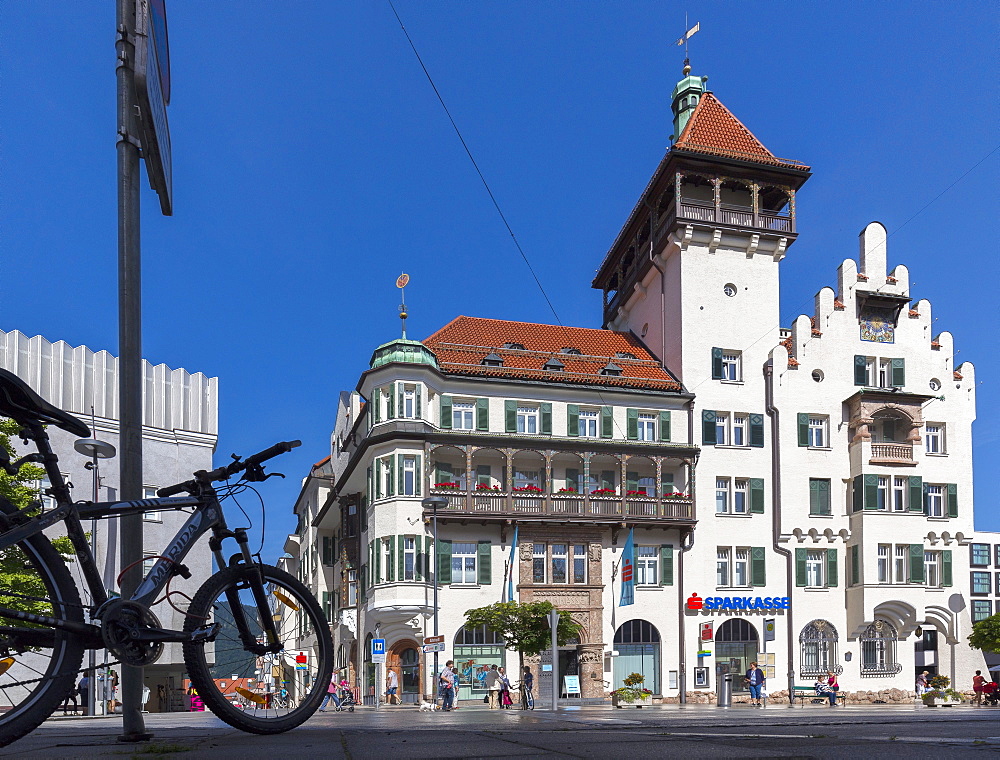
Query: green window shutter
898,373
326,606
327,551
608,479
482,414
416,402
510,413
446,412
757,430
814,497
858,494
401,557
573,478
665,426
916,487
485,570
860,369
667,483
391,412
444,562
418,475
377,578
442,473
952,500
418,560
378,478
946,567
607,422
855,565
756,496
401,488
803,426
871,491
390,571
399,395
666,565
831,568
483,474
708,427
916,563
572,419
632,424
546,418
824,497
376,404
631,481
716,363
800,567
758,566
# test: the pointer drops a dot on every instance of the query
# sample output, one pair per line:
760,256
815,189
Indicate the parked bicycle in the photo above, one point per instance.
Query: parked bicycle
247,612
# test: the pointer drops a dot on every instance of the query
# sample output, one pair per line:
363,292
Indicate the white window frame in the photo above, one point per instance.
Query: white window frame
559,552
646,426
816,568
148,560
352,588
741,567
871,372
647,565
883,492
900,563
468,564
386,549
408,407
739,435
819,432
732,370
934,439
723,565
409,484
884,373
932,569
885,563
722,429
741,492
722,492
409,558
387,475
935,500
463,415
900,487
588,423
149,492
579,563
528,421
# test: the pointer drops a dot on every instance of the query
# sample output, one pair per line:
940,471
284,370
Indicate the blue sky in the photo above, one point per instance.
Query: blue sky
312,164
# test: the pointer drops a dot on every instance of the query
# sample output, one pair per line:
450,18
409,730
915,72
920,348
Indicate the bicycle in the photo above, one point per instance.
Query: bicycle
244,615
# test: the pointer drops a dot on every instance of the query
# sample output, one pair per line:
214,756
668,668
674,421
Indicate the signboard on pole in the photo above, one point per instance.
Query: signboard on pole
434,640
378,651
152,89
707,631
769,629
301,661
429,648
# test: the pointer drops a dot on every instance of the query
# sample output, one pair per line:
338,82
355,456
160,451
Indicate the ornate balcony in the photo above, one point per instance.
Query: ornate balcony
892,453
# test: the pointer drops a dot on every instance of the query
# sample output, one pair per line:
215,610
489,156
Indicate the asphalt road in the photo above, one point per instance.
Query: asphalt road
699,731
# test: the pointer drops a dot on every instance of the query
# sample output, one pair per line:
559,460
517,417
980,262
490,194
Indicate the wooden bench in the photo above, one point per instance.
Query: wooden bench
804,692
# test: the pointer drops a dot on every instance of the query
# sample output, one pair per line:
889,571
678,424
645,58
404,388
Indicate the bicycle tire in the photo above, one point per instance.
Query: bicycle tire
59,676
204,609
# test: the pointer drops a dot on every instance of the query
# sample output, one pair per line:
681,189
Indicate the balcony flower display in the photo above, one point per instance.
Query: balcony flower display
528,489
567,490
676,495
487,487
633,692
447,486
637,493
604,492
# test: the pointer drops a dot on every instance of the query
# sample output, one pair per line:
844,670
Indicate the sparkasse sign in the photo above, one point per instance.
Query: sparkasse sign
710,603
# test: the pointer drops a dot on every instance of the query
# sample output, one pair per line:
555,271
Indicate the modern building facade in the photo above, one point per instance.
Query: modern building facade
179,434
798,496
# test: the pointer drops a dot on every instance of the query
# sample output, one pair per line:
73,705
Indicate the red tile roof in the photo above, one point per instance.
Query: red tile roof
462,344
713,129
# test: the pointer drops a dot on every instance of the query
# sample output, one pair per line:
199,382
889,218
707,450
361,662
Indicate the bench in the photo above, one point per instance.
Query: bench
805,692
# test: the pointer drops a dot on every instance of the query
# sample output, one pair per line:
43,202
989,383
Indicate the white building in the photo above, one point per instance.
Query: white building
179,434
818,476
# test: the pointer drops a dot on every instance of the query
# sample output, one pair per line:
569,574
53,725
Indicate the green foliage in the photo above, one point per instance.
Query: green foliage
986,635
523,625
633,690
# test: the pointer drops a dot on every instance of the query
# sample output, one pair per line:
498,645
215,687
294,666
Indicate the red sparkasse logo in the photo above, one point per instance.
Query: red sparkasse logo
626,571
695,602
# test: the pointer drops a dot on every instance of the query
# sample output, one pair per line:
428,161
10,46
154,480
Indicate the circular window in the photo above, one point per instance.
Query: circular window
817,375
645,329
935,384
729,290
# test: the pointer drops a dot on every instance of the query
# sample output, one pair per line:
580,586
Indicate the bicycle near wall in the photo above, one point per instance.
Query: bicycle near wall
247,612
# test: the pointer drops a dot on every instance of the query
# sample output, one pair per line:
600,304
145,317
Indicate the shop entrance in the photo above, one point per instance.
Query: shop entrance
476,649
404,660
736,646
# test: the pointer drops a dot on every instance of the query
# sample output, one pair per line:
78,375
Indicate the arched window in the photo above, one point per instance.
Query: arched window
736,646
878,650
638,645
818,650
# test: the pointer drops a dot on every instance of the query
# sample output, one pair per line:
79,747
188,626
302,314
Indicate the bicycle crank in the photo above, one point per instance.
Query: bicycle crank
123,625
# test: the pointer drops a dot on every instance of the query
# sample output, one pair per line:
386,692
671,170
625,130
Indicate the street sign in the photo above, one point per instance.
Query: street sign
429,648
378,650
301,661
769,629
152,88
433,639
706,631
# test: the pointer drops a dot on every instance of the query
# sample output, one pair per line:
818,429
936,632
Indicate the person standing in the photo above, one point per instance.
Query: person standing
391,687
84,688
493,687
446,686
527,686
921,685
978,682
755,680
505,700
831,681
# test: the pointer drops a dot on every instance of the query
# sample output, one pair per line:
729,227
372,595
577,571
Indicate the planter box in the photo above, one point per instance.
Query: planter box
942,702
644,702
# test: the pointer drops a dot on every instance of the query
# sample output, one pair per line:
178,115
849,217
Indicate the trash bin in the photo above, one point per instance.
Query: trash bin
725,691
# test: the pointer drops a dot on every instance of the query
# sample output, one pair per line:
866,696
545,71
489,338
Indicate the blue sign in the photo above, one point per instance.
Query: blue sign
378,646
628,572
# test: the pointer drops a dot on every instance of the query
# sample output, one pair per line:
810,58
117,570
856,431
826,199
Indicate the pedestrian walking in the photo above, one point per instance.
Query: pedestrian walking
755,680
978,682
527,687
493,687
921,685
84,688
331,695
446,686
391,687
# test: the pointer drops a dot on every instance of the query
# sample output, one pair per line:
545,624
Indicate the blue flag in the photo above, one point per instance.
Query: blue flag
511,567
628,572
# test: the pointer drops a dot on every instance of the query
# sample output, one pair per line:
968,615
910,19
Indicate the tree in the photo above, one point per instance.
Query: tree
986,635
524,626
16,574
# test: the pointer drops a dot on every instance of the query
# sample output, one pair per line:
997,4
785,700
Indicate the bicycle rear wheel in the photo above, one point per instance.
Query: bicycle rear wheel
253,679
35,680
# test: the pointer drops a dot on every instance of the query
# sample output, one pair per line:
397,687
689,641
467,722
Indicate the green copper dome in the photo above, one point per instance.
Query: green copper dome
405,351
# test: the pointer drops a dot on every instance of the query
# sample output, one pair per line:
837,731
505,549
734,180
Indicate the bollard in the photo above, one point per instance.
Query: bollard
725,691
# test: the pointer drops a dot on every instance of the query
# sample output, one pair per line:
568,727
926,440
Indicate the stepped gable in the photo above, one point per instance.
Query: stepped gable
713,129
463,344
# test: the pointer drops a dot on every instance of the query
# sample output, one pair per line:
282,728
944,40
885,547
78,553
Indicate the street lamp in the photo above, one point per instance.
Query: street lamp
434,502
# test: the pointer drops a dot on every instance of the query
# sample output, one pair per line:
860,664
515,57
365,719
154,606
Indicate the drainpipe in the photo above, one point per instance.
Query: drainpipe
772,412
687,542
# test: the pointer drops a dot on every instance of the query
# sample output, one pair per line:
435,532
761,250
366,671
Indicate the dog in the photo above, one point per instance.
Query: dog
428,707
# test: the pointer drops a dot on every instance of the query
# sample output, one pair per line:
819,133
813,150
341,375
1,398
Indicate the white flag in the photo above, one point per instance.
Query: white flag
689,34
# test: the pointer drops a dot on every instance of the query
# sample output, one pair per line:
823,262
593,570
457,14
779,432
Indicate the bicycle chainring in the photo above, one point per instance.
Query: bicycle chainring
121,621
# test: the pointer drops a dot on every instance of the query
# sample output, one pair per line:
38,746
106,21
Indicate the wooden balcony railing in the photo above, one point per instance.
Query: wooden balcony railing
738,216
565,505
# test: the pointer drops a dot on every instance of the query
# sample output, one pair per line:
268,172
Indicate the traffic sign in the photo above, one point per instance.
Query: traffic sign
769,629
433,639
429,648
152,87
378,650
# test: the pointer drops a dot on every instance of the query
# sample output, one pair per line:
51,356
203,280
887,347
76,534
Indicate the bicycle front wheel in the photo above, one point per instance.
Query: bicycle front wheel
240,685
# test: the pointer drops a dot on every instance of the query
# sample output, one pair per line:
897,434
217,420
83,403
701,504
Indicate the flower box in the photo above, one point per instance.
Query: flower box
641,702
930,701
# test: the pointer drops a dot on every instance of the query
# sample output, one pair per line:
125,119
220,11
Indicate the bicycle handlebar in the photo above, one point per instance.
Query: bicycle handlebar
203,477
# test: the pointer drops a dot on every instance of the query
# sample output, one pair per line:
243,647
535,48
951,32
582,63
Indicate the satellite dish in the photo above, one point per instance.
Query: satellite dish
402,280
92,447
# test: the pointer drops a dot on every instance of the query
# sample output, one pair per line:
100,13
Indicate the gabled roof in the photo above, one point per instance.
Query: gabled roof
462,344
713,129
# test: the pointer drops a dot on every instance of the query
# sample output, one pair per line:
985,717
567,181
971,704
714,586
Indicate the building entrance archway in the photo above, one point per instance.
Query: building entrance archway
403,658
736,646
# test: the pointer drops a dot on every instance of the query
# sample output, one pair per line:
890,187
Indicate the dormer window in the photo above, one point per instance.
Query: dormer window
514,346
570,350
611,370
554,365
492,360
625,355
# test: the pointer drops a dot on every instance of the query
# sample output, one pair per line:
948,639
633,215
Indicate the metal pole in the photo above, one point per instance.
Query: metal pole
436,632
554,625
92,691
129,342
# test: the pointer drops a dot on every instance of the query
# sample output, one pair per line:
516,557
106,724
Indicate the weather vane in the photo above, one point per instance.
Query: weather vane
401,283
691,31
